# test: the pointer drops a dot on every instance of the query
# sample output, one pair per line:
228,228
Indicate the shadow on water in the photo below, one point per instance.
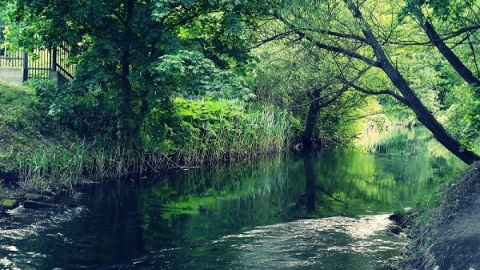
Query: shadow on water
326,210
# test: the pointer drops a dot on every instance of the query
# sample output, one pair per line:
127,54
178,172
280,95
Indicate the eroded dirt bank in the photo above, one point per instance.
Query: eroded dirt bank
451,237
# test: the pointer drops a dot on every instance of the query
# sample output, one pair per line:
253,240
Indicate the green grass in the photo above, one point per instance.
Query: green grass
50,157
25,131
20,130
430,214
60,167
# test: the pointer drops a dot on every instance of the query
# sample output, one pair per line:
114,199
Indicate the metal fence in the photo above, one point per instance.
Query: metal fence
62,64
10,60
40,64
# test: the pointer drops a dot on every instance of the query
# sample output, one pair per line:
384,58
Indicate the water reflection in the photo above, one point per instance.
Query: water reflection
316,192
294,212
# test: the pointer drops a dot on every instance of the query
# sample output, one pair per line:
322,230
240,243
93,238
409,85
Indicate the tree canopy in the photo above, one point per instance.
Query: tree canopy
130,53
133,56
370,40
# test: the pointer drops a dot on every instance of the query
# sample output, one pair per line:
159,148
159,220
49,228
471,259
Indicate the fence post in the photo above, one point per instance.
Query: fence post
53,68
54,59
25,67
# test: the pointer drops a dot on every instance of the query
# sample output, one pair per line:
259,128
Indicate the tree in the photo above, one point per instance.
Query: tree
118,44
363,40
297,76
452,28
456,15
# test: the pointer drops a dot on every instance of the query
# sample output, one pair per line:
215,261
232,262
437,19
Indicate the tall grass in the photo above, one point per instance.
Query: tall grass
217,131
239,136
60,168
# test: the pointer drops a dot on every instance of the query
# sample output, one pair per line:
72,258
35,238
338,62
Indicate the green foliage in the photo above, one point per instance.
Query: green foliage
446,10
89,114
287,79
130,55
190,74
218,129
463,116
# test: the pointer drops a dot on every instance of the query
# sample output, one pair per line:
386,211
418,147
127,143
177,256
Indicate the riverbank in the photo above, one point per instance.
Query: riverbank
41,155
24,130
449,236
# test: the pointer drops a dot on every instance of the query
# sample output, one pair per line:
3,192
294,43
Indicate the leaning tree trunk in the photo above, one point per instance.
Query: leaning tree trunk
423,114
426,117
448,54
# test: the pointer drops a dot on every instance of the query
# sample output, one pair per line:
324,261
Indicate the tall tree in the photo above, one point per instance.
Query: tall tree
462,15
118,45
348,32
301,78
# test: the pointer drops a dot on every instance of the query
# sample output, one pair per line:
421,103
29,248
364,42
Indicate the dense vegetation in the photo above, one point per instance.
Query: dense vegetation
185,81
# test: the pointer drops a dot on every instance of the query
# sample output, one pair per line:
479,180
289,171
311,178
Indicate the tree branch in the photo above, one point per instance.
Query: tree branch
469,30
448,54
381,92
272,38
327,47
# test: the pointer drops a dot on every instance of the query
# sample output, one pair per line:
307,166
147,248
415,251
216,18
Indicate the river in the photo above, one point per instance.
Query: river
327,210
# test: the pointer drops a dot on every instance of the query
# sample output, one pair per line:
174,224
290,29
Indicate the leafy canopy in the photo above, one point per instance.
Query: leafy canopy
131,54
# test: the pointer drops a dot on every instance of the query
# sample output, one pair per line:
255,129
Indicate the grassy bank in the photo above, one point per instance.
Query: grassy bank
47,156
25,131
444,226
23,128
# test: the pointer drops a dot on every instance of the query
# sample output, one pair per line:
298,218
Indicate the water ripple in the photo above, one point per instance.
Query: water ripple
330,243
20,228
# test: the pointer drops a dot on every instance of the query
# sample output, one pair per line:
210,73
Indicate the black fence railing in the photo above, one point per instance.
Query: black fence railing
41,64
62,64
10,60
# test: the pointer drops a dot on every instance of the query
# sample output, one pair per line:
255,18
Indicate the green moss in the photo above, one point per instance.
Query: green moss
9,203
31,196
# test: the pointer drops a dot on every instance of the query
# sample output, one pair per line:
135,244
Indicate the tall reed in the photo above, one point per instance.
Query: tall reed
238,136
56,167
219,131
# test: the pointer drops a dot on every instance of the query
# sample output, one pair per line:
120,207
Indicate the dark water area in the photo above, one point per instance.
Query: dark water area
327,210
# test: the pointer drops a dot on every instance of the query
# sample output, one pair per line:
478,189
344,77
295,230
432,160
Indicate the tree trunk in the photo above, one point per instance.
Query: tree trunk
316,104
426,117
314,109
423,114
126,124
449,55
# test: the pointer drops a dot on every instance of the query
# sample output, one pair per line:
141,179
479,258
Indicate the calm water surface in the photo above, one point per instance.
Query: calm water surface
327,210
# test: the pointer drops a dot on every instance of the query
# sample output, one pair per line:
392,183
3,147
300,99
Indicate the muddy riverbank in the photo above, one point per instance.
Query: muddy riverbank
450,237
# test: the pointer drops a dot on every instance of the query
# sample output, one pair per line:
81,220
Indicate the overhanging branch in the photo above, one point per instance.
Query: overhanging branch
380,92
320,45
468,30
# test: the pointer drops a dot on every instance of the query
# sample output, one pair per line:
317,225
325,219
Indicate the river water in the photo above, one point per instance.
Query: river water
327,210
